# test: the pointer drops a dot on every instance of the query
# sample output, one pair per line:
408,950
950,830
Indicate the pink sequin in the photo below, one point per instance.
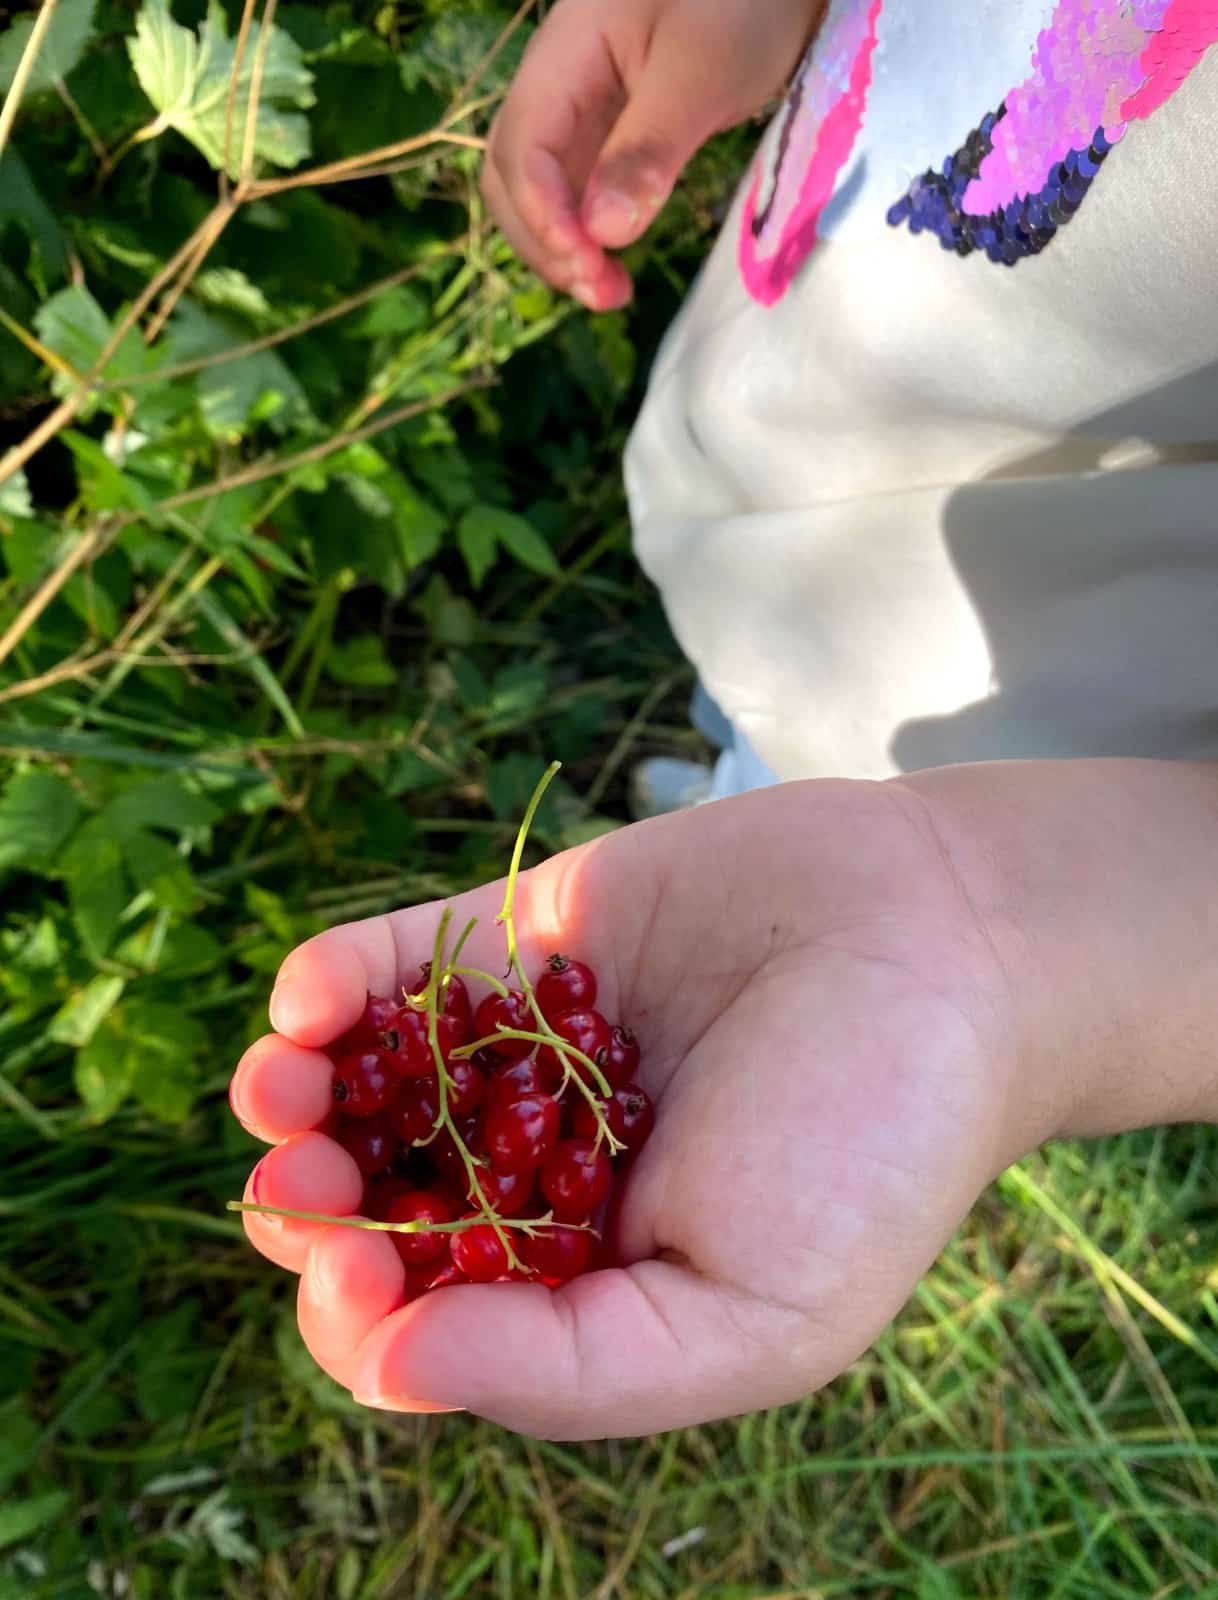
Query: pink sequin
824,114
1099,64
1188,29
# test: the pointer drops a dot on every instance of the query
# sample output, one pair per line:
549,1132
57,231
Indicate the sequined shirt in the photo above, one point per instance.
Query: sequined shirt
928,469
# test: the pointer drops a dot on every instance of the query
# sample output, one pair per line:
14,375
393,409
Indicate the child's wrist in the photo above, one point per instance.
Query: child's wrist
1096,883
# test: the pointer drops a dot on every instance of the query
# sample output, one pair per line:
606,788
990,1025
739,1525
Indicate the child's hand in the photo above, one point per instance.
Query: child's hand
612,100
827,1034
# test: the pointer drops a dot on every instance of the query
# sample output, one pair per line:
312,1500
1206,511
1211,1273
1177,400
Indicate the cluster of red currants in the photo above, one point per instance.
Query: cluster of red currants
514,1139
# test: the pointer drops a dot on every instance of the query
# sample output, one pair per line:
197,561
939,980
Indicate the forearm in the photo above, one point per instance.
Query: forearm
1097,884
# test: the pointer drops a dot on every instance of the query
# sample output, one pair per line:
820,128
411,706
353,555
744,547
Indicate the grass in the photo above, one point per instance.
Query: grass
1030,1427
1042,1422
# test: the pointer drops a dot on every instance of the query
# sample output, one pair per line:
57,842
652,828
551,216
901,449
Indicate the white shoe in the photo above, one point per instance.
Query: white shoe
663,784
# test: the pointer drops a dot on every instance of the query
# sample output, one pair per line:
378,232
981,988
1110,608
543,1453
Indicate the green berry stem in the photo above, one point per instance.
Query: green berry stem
526,1225
479,976
435,976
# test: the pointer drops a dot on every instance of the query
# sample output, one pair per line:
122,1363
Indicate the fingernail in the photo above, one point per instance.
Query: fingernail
611,208
413,1408
584,293
280,1006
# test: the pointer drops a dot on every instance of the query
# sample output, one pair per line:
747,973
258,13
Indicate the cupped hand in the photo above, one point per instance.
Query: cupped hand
611,101
828,1035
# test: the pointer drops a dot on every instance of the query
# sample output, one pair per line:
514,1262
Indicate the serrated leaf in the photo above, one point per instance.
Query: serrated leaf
143,1047
92,867
38,810
102,1075
21,202
229,289
63,44
157,803
157,867
520,538
20,1519
478,545
362,663
236,395
74,326
187,76
79,1018
15,496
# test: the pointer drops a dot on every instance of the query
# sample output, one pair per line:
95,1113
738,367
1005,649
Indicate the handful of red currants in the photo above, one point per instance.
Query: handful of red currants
494,1134
488,1137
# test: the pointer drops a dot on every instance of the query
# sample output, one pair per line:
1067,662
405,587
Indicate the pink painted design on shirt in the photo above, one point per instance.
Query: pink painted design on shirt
824,114
1188,29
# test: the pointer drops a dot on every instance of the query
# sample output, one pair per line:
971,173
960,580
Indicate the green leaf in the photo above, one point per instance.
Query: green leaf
63,44
79,1018
238,395
362,663
477,543
145,1047
187,79
92,867
399,310
21,202
74,326
38,810
102,1075
157,803
520,538
19,1519
228,289
15,496
156,866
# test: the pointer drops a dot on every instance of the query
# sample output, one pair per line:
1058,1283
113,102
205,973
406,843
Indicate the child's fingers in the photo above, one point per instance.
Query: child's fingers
617,1353
351,1280
307,1173
555,266
322,986
280,1089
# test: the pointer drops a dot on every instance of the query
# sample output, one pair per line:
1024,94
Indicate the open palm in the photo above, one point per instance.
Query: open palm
825,1033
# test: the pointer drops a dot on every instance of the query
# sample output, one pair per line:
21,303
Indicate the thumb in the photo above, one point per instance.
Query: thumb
668,117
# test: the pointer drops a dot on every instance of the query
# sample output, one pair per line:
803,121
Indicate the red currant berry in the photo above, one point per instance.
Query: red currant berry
505,1011
371,1143
445,1156
520,1135
556,1253
622,1057
447,1277
363,1084
487,1060
630,1115
516,1079
454,997
465,1088
479,1253
374,1030
419,1279
576,1179
587,1031
413,1056
413,1117
638,1117
421,1205
508,1193
584,1124
379,1196
565,985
